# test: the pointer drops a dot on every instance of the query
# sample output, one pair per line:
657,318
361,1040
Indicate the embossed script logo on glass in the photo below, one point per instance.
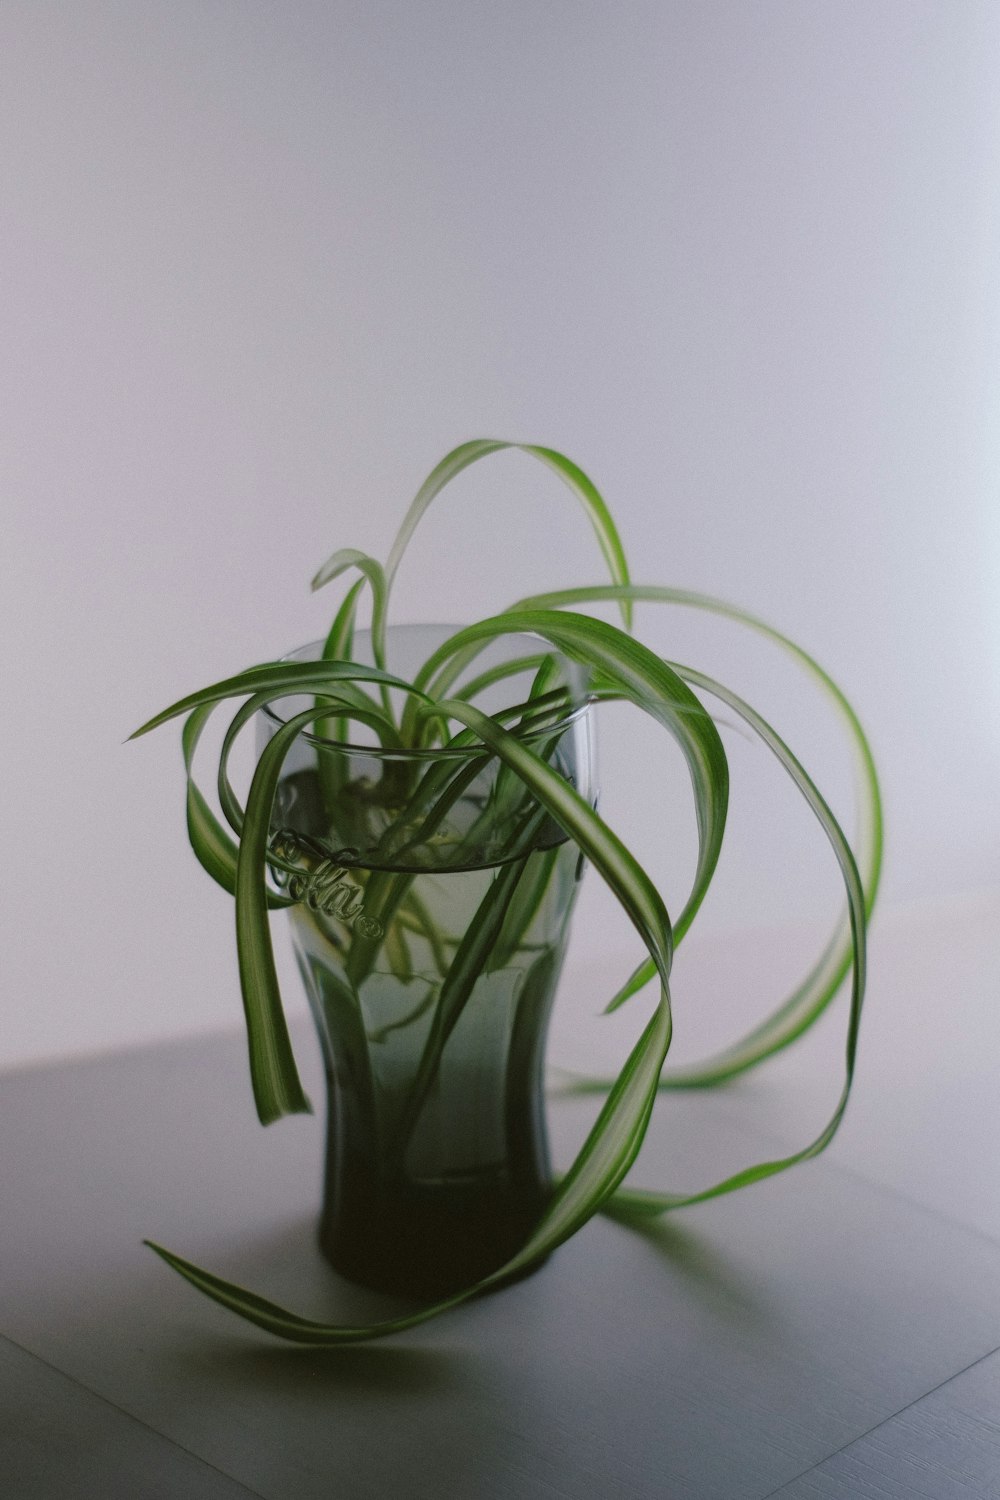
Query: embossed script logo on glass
326,887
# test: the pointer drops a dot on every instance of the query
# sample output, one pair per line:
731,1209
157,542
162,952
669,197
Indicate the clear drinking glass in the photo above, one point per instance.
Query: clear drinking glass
433,897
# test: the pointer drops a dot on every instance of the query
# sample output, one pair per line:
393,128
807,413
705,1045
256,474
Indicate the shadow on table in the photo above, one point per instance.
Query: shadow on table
284,1265
712,1276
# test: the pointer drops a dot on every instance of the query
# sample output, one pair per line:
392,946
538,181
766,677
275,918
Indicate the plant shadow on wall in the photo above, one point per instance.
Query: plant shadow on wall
423,805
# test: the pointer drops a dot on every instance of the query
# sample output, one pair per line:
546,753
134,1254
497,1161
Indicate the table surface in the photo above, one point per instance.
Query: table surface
832,1332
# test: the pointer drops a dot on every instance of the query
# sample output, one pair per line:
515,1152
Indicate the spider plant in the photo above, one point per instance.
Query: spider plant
436,709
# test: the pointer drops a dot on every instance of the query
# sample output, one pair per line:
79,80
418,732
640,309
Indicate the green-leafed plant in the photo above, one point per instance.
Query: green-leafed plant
438,708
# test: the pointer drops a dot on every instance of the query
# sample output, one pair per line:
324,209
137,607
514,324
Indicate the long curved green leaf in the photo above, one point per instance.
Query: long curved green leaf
632,1203
350,557
343,624
339,646
499,673
276,676
815,991
648,682
528,898
570,473
214,849
616,1135
276,1086
288,1325
477,943
339,643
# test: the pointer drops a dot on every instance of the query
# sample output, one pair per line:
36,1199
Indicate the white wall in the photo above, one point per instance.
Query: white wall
263,264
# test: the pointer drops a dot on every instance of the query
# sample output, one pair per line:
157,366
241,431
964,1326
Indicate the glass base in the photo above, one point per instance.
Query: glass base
428,1240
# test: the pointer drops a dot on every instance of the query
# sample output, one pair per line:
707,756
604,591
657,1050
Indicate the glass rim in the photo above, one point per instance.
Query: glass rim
478,750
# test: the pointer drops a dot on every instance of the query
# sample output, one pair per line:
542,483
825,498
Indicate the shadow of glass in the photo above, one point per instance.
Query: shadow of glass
714,1277
297,1373
285,1266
